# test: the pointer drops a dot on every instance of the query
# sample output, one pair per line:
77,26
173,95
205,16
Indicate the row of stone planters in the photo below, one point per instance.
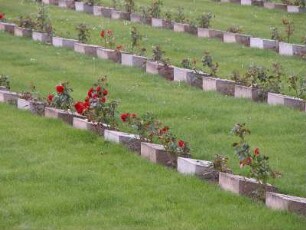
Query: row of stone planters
282,48
269,5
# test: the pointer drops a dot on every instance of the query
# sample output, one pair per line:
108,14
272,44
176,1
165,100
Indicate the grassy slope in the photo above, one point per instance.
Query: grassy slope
177,46
203,119
55,177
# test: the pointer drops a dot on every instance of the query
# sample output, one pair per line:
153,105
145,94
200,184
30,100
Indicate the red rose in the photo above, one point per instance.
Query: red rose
105,92
181,143
246,161
102,33
50,97
79,107
98,89
2,16
89,93
256,151
86,104
124,116
95,96
87,99
60,89
103,99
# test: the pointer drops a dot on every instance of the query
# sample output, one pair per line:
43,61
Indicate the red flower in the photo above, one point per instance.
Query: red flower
86,104
103,99
79,107
256,151
60,89
181,143
102,33
105,92
164,130
89,93
2,16
124,116
98,88
50,97
133,115
95,96
246,161
87,99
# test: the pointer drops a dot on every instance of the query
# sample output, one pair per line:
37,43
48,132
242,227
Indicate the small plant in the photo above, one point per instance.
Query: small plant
220,163
235,29
275,35
207,61
298,85
31,95
115,4
258,163
107,36
204,20
136,37
90,2
129,6
300,3
155,9
25,22
304,40
168,15
146,126
289,28
158,53
61,99
180,15
96,108
83,32
4,81
2,17
42,21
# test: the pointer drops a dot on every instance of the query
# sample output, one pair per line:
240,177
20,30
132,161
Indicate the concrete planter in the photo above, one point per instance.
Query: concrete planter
83,7
23,104
109,54
203,33
243,39
84,124
195,79
90,50
41,37
120,15
131,141
161,23
166,71
295,9
97,11
106,12
246,2
218,34
285,49
52,2
269,5
152,67
8,97
37,108
133,60
299,50
236,38
201,168
180,74
66,4
63,42
192,30
280,6
63,115
223,86
263,43
135,17
257,3
157,154
22,32
180,27
241,185
252,93
7,27
288,203
292,102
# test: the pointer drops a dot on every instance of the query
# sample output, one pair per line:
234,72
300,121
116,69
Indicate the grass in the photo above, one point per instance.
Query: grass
203,119
176,46
55,177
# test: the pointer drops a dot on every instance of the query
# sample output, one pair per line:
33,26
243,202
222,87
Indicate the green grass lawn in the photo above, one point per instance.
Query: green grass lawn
176,46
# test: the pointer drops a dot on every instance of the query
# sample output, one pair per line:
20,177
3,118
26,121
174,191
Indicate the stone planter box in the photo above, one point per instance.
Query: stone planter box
131,141
135,18
223,86
66,4
242,185
257,3
192,30
263,43
106,12
63,42
84,124
7,27
90,50
180,74
133,60
166,71
246,2
288,203
97,10
157,154
280,6
53,2
203,33
152,67
295,9
41,37
285,49
248,92
22,32
180,27
36,107
83,7
236,38
116,14
109,54
216,34
63,115
8,97
196,79
161,23
292,102
23,104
